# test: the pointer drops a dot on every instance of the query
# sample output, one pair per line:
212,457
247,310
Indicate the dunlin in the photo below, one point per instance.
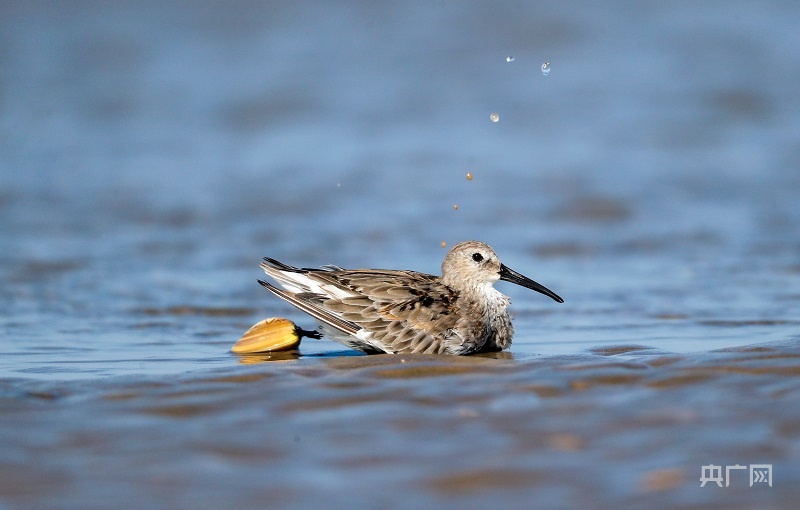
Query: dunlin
397,311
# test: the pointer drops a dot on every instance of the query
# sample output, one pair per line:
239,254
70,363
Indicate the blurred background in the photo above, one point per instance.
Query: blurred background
151,153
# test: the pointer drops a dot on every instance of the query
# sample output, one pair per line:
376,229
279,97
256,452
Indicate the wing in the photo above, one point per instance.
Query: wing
313,309
392,311
404,311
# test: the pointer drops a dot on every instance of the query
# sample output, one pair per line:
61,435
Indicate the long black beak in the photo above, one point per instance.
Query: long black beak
512,276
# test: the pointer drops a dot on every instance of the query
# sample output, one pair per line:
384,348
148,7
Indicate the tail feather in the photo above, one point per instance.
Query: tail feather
319,313
290,277
276,264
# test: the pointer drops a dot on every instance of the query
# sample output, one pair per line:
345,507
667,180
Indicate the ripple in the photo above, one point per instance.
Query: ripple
208,311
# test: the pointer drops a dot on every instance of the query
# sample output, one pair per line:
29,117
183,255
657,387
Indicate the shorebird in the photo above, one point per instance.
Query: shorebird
400,311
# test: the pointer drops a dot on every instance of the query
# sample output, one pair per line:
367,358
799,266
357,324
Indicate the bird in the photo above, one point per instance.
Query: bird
401,311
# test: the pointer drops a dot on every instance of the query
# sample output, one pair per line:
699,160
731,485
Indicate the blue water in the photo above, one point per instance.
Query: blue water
151,154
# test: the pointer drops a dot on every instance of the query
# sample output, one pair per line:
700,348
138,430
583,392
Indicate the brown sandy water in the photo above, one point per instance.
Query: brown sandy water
152,153
619,427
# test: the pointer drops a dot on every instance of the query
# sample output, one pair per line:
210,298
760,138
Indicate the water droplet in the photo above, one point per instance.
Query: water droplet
444,244
494,117
469,176
455,207
510,59
546,68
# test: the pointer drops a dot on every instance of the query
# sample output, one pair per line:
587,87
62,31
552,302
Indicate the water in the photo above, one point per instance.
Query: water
151,155
546,68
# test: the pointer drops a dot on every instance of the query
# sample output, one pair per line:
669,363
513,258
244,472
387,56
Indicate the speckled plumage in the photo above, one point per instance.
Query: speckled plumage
397,311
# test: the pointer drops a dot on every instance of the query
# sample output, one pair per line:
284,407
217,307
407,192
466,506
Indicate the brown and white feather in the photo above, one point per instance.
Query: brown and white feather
400,311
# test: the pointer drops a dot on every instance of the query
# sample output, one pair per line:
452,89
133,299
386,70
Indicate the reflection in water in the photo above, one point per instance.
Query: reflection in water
606,429
158,153
261,357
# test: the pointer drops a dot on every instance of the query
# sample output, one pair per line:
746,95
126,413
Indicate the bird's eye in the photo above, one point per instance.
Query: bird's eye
477,257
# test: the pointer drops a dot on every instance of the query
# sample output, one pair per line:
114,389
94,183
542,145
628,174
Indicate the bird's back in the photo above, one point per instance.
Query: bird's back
391,311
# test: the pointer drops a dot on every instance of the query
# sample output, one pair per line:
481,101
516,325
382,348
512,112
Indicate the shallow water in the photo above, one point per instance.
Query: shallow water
151,154
610,428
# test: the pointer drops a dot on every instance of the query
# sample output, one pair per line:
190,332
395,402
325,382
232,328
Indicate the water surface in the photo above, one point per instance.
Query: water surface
151,154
